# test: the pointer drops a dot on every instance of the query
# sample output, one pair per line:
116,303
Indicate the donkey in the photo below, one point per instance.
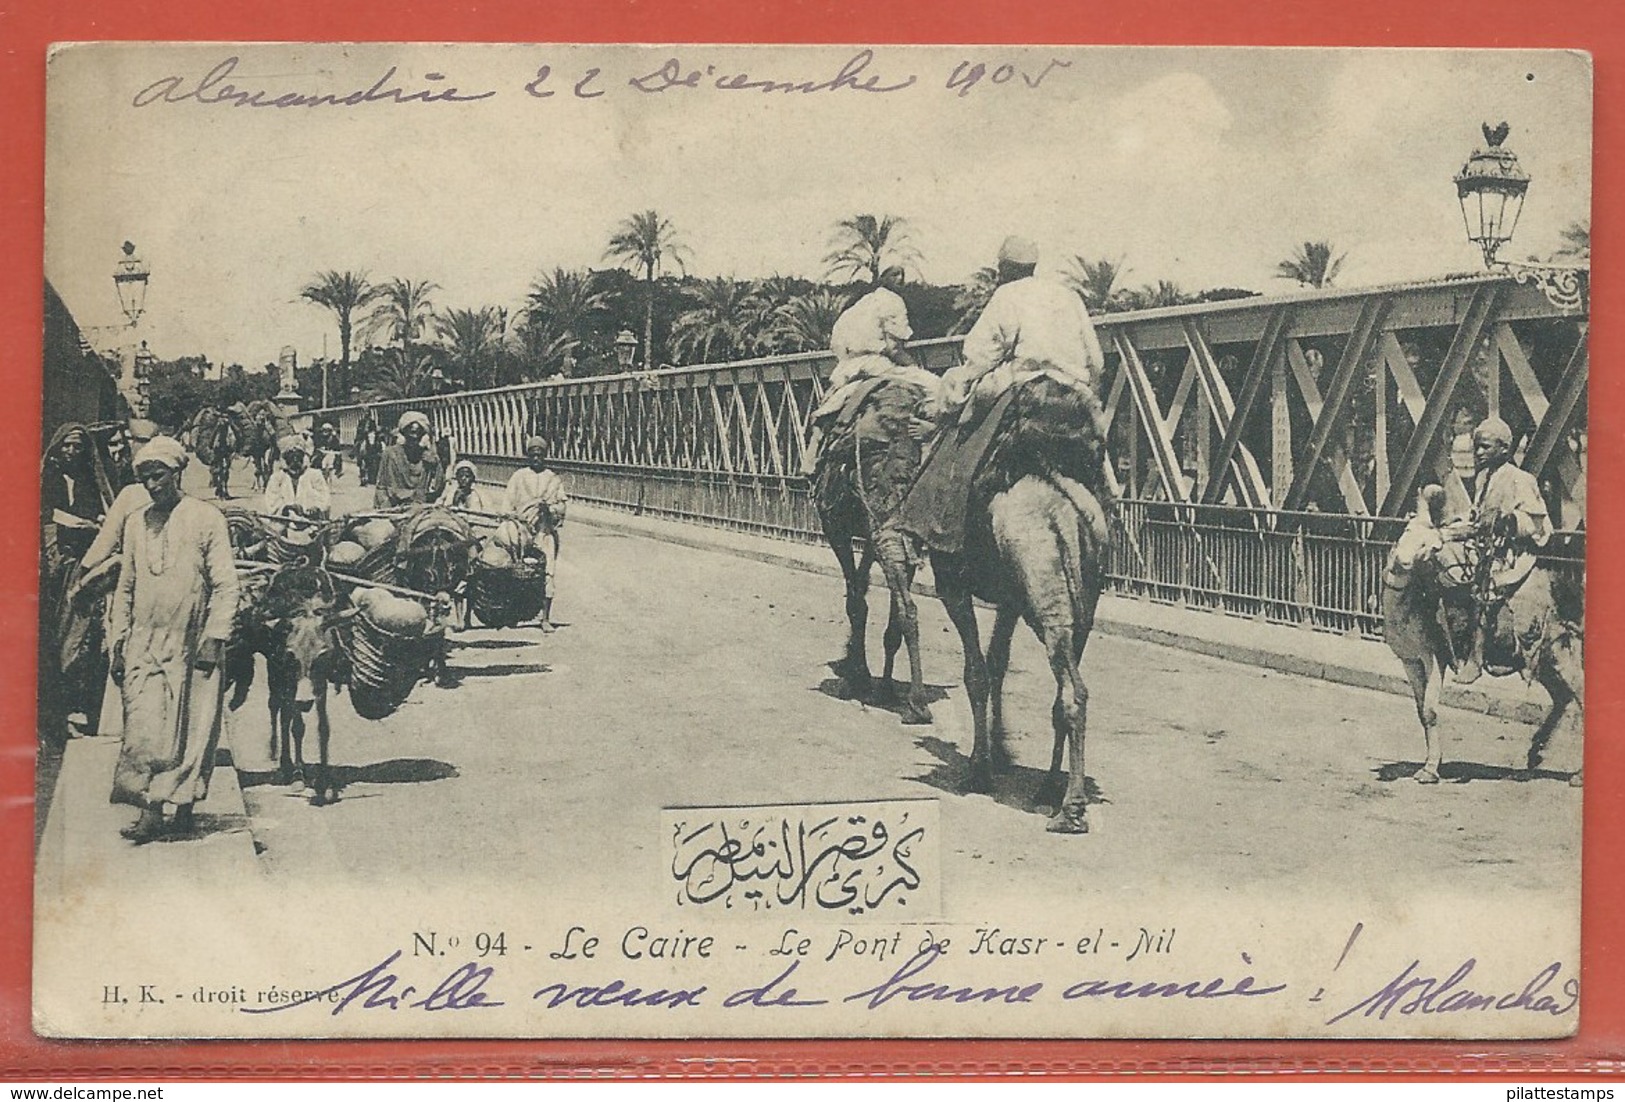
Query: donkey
295,626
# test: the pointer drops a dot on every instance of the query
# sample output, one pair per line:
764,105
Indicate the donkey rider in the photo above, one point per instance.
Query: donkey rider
1508,526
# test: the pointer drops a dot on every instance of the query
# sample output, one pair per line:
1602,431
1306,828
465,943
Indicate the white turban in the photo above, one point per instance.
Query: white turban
162,449
1018,250
412,417
293,442
1494,429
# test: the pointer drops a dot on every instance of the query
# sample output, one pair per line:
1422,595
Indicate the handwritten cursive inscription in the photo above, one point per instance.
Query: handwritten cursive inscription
214,88
378,988
761,858
1410,992
853,76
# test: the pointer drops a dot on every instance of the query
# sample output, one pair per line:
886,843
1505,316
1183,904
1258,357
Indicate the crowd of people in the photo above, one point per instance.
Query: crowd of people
139,584
116,525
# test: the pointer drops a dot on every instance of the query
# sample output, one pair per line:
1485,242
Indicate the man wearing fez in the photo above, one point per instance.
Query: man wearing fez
171,617
410,473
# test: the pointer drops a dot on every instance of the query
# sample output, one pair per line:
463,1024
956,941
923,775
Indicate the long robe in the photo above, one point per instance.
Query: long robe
402,482
177,588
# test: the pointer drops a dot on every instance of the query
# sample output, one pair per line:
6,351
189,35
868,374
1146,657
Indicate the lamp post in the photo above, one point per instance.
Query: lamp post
1491,187
130,277
626,348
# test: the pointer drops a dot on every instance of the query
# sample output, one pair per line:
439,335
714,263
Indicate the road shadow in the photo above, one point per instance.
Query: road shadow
394,771
493,644
883,696
1464,772
500,669
205,825
1016,787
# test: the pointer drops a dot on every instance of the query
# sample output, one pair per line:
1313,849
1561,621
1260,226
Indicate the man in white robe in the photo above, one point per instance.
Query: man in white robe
536,496
297,489
869,342
171,617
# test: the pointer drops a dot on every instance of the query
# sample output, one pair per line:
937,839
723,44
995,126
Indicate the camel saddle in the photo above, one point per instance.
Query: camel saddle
1037,427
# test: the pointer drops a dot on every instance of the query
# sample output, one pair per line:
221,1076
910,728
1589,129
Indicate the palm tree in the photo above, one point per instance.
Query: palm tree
805,322
343,293
642,242
866,245
401,373
472,339
1312,264
1576,241
559,310
404,310
972,297
1096,280
1163,293
714,327
760,312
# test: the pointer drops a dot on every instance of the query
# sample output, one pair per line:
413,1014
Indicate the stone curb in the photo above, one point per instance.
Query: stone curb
1455,696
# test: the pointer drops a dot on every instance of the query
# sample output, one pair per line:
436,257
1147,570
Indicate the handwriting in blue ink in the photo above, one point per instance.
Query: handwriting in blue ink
380,989
214,89
1411,993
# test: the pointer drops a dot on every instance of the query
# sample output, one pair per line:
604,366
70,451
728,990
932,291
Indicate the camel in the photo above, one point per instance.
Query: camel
1426,630
1033,555
857,487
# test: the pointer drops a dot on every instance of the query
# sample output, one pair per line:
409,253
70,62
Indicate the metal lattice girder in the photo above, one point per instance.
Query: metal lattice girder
1157,432
1480,312
1258,371
1356,351
1523,375
1347,484
1571,389
1239,464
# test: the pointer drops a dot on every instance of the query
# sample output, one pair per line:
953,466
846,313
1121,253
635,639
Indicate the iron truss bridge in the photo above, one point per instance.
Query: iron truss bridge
1269,447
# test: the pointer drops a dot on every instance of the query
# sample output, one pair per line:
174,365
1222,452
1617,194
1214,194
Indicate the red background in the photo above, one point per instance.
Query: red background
27,27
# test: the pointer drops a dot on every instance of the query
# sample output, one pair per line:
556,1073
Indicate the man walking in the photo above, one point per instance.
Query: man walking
171,617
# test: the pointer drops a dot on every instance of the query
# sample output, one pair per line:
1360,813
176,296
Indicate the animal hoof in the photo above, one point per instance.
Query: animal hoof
1064,823
1425,775
1578,780
916,716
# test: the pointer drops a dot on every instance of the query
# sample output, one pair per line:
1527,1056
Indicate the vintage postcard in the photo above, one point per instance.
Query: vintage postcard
695,541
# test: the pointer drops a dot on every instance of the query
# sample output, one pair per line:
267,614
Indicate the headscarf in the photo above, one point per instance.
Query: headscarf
162,449
293,442
1493,429
465,465
141,430
412,417
535,442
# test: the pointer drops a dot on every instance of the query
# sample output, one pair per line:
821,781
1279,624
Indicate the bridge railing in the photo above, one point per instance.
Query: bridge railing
1266,444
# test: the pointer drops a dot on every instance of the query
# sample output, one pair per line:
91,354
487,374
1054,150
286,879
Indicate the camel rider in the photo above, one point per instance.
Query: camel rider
868,341
1031,328
1509,524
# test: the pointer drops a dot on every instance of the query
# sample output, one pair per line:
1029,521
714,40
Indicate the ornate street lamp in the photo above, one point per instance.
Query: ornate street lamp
626,347
130,277
1491,188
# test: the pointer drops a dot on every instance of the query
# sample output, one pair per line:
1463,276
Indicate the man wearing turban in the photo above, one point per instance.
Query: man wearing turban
170,620
536,496
1510,520
1031,328
297,489
410,472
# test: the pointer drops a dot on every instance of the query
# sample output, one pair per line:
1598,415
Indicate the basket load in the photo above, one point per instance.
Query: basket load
507,580
389,645
363,547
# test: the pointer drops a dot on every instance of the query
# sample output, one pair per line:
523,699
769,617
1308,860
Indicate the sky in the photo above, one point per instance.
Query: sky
1201,166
